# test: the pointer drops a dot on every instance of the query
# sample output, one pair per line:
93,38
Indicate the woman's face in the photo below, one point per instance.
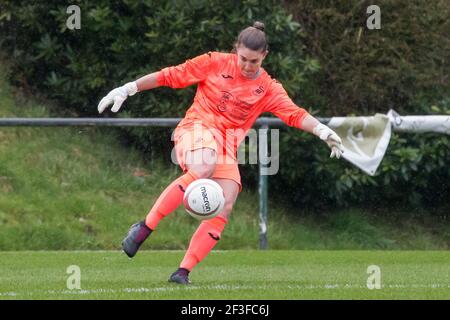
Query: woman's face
249,61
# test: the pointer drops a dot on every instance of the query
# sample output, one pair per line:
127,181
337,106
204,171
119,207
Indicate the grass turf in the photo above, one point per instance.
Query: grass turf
226,275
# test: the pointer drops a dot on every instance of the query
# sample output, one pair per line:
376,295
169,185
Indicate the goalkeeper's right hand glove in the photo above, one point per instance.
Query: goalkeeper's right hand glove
117,96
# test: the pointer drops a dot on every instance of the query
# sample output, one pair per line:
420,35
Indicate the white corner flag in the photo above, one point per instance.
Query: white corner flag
365,139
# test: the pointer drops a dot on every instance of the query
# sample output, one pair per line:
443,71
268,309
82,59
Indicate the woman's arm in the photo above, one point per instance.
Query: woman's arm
120,94
309,123
279,103
180,76
147,82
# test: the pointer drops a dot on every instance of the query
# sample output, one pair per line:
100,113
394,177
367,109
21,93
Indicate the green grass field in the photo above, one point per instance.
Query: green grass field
268,275
65,189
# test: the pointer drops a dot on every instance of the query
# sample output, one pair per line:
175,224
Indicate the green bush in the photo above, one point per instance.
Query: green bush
403,66
122,40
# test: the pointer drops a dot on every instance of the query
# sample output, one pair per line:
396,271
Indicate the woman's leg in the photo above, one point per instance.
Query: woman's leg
207,234
170,198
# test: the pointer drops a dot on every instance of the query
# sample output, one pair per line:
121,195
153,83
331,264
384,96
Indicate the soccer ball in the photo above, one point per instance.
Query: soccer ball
204,199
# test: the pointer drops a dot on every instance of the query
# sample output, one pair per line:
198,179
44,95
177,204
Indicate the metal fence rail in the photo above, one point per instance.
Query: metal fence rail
114,122
117,122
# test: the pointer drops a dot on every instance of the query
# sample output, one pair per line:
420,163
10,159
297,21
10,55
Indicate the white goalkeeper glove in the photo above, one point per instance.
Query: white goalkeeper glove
331,138
117,96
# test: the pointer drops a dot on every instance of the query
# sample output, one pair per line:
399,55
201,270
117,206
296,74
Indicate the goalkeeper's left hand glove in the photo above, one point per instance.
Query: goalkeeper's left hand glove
331,138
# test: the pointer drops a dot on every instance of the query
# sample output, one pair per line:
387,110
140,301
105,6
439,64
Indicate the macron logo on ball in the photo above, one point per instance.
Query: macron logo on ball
205,199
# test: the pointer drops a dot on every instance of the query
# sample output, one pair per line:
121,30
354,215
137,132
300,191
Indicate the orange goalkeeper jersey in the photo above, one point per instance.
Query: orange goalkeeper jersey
225,99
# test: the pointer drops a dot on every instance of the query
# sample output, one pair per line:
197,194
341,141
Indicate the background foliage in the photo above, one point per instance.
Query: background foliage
321,51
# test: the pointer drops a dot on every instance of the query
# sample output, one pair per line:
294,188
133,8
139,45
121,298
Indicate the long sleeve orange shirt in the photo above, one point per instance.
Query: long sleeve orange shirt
225,99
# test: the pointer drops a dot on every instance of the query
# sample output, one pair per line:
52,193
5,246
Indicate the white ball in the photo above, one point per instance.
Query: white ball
204,199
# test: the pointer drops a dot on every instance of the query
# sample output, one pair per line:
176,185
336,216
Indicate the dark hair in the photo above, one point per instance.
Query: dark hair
253,38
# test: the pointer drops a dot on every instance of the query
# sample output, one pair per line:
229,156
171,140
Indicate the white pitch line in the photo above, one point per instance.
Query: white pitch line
220,287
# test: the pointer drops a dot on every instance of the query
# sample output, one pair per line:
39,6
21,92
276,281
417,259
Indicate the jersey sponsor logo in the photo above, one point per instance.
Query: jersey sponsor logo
258,91
227,76
226,97
237,108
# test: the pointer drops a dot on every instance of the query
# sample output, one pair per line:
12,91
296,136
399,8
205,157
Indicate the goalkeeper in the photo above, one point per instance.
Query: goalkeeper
233,90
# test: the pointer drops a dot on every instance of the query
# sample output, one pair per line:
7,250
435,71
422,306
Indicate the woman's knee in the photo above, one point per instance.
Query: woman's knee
203,171
202,162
